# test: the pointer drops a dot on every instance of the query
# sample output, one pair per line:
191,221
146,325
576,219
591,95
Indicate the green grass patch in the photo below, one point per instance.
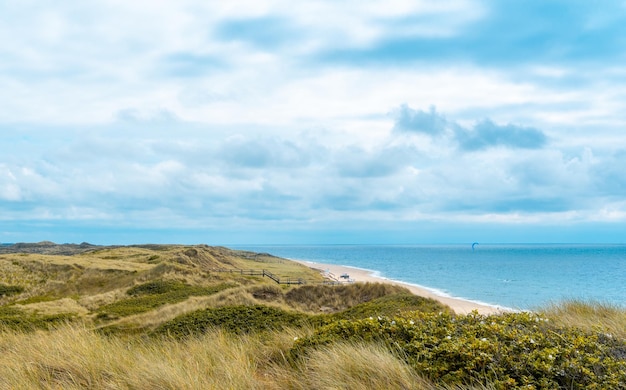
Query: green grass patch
236,319
148,296
39,298
155,287
391,305
13,318
6,290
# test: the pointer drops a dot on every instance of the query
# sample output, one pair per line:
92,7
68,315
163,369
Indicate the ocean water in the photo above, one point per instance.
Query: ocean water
515,276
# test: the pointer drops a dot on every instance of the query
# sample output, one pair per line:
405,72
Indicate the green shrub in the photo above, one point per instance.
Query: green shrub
156,287
151,295
236,319
10,290
510,350
391,305
13,318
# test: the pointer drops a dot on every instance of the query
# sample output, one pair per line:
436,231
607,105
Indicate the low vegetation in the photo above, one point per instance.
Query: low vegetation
170,317
152,295
234,319
390,305
10,290
508,351
591,316
16,319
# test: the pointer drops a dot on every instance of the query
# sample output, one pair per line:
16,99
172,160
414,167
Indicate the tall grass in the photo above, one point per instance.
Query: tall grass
73,357
314,298
351,366
119,354
589,315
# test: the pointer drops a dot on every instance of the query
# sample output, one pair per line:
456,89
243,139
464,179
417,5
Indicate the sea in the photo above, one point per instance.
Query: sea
515,276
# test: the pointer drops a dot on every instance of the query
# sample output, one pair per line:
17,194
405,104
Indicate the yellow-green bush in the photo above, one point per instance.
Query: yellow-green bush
236,319
390,305
509,351
156,287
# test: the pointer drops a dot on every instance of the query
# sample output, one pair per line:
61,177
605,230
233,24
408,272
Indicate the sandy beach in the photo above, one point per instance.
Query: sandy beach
460,306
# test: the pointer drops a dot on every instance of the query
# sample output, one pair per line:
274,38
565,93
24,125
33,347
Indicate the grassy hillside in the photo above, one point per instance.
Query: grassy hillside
195,317
134,286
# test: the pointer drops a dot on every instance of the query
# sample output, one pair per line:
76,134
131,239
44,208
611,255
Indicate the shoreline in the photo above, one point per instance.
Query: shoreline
458,305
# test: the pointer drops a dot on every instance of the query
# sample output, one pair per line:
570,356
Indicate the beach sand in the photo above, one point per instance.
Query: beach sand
460,306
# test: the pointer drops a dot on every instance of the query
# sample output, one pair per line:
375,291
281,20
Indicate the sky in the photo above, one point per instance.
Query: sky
313,122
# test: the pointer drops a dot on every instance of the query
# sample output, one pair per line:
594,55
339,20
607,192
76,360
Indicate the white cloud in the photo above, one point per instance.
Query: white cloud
9,189
199,113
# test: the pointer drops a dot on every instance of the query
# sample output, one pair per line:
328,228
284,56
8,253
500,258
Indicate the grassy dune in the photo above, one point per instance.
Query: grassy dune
162,317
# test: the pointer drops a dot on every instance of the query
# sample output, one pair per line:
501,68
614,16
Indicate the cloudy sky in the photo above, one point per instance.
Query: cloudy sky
251,122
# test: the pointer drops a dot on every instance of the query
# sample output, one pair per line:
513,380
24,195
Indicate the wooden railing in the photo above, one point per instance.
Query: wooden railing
274,277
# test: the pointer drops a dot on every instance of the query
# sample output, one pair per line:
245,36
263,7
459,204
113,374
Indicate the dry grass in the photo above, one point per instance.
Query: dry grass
351,366
47,277
120,262
284,269
12,272
591,316
59,306
73,357
98,278
153,318
93,302
318,298
84,283
243,297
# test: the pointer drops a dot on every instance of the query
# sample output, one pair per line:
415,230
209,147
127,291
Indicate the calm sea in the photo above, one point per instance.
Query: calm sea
515,276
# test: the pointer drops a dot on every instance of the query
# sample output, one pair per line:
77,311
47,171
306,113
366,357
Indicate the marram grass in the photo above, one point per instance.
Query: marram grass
592,316
73,357
161,318
411,351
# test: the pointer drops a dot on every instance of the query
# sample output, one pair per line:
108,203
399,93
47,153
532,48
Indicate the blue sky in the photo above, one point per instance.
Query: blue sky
274,122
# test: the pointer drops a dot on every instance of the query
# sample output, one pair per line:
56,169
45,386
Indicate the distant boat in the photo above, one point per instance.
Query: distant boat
474,244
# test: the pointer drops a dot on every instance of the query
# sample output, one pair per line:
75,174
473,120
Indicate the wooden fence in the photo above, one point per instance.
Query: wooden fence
274,277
